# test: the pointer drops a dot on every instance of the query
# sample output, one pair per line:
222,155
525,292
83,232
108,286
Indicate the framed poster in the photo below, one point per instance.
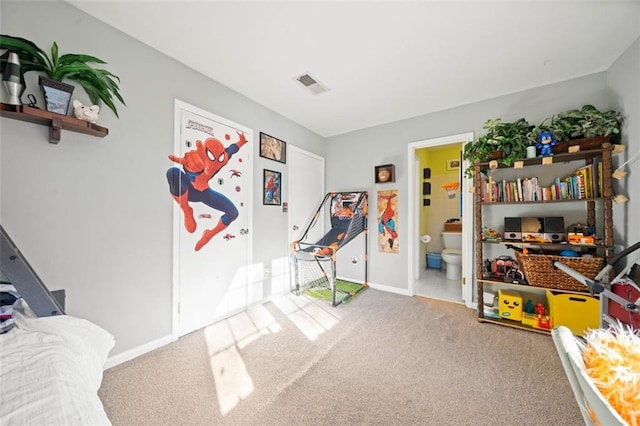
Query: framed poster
273,148
453,164
388,221
272,188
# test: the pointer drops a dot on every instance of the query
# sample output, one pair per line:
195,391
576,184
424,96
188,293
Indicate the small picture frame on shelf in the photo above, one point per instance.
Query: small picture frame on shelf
385,173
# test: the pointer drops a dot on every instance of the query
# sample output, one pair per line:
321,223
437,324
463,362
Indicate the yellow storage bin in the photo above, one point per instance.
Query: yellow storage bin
530,319
575,311
510,305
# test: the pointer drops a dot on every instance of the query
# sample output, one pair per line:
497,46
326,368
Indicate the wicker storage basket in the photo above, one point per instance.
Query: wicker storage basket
539,271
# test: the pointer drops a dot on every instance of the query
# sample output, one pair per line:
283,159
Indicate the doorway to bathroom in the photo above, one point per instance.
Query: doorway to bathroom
440,249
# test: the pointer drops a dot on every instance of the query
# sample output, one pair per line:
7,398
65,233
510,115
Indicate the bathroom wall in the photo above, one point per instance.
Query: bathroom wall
433,217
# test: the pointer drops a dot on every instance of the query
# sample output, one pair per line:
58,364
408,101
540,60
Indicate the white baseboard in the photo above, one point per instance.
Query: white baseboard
136,352
396,290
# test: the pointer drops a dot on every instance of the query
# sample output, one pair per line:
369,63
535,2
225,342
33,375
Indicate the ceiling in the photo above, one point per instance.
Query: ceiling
382,61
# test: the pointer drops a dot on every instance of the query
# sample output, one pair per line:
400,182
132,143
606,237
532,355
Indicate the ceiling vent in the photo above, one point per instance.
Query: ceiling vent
312,84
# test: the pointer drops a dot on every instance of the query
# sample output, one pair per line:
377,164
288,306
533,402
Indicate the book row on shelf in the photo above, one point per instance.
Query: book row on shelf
585,182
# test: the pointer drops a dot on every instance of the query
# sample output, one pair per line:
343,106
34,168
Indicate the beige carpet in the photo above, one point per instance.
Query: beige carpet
383,359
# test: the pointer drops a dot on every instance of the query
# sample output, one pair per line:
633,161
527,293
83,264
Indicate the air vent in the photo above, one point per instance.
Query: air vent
312,84
306,80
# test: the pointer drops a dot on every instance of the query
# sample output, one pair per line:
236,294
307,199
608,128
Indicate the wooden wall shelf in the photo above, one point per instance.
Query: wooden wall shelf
55,122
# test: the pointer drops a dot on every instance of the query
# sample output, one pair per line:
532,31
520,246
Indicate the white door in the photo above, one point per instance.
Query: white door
306,191
210,181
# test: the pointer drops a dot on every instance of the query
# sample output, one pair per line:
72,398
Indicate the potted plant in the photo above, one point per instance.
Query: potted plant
558,128
100,84
502,140
589,122
587,127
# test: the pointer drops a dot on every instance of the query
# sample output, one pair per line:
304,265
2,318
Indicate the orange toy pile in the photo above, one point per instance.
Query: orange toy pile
612,360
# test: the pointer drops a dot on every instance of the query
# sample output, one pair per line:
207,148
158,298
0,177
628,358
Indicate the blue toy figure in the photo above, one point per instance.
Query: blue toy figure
545,144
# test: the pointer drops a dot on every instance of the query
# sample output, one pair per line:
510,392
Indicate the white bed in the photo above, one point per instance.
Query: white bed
51,369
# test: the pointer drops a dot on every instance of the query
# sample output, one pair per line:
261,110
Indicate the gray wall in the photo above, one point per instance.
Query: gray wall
94,216
624,80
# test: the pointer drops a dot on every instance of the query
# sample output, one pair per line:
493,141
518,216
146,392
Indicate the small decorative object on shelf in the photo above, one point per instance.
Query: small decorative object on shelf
57,95
545,144
13,79
85,113
385,173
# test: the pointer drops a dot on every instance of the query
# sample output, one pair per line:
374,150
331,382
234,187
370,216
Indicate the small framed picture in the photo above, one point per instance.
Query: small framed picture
453,164
271,188
273,148
385,173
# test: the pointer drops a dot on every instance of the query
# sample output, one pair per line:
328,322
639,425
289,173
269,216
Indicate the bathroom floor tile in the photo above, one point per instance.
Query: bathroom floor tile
433,284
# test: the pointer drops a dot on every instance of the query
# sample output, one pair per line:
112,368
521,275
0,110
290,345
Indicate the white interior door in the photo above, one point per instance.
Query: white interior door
306,191
210,182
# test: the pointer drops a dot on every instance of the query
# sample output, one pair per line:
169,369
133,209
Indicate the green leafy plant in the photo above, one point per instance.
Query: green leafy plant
560,130
588,122
100,84
508,139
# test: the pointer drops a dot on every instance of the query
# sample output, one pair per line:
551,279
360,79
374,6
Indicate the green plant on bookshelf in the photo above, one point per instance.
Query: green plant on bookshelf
559,128
502,140
587,122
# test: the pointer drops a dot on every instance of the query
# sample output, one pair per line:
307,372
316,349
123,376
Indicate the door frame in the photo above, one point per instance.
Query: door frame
413,249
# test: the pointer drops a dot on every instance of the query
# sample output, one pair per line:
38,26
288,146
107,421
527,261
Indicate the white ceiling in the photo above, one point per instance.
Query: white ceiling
383,61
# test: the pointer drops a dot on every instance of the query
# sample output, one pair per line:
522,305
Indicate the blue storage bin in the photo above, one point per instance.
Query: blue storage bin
434,260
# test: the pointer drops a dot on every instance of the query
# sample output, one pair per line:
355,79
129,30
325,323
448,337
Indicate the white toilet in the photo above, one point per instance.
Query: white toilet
452,254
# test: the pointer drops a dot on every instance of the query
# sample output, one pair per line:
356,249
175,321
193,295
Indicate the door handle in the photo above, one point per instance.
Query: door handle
295,227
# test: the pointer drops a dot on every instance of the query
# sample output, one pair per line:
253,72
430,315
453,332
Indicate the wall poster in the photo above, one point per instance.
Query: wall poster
388,221
271,187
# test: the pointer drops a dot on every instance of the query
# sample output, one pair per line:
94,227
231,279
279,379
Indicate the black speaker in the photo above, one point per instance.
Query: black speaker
512,229
554,229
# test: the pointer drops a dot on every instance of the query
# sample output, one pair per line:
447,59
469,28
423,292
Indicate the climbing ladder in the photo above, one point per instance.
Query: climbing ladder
15,267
